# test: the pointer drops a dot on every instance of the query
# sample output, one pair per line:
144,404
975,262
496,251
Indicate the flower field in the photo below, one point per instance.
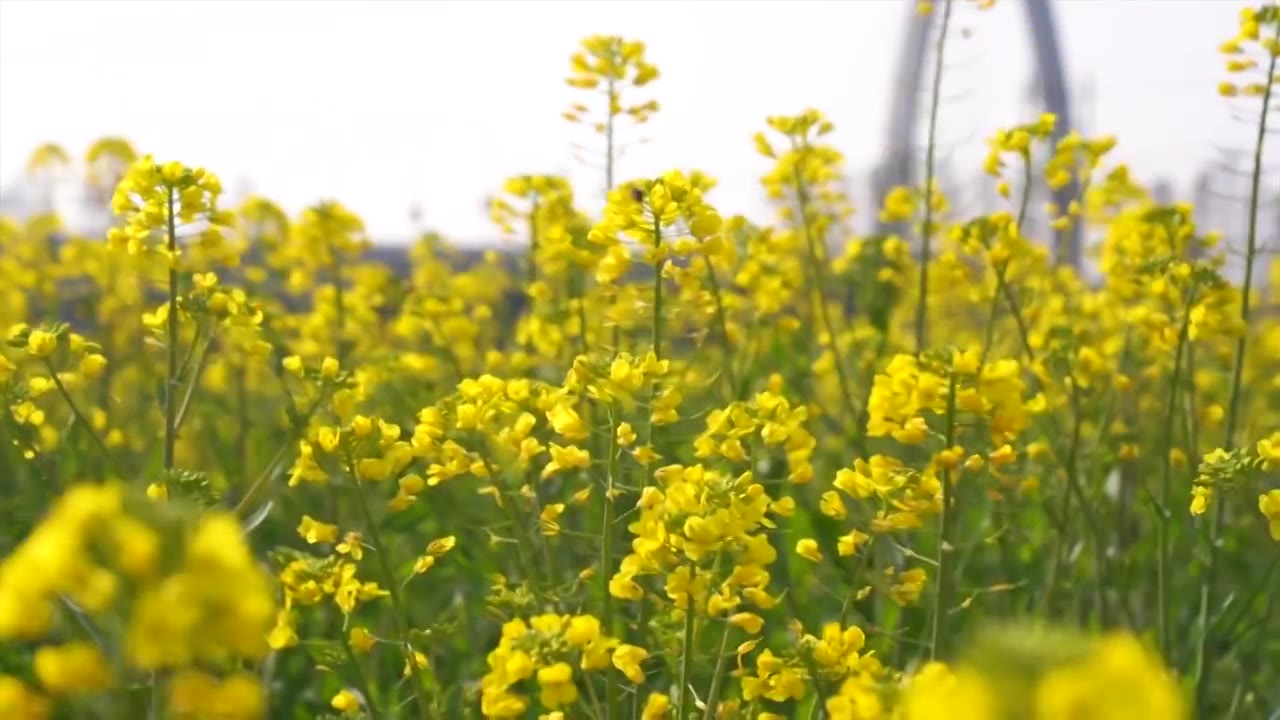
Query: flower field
654,460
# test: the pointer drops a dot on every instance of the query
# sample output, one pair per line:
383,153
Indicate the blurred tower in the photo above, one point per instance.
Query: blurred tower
1206,207
1085,103
905,108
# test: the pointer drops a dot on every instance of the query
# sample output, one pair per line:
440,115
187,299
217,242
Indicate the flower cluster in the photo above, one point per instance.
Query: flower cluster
543,653
174,594
614,63
1243,51
1111,677
660,462
159,199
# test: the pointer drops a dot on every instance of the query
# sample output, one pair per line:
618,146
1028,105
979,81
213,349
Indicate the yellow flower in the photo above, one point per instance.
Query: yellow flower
412,484
284,634
1269,506
935,692
419,661
92,365
907,589
626,435
314,531
352,544
832,506
582,630
1118,680
747,621
345,702
41,343
194,693
1269,449
808,548
566,422
627,658
1200,497
20,702
848,544
329,368
556,682
656,707
440,546
372,469
565,458
293,365
76,667
362,641
1002,456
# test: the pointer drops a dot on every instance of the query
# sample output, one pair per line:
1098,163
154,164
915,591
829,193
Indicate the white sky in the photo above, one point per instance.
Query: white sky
383,105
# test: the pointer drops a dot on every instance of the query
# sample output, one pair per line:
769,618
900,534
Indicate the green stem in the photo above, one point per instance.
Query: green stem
722,323
1002,272
339,306
713,694
818,266
581,301
686,661
244,422
74,408
926,232
606,556
296,434
547,556
658,262
403,622
533,240
447,350
1208,586
993,313
193,382
1024,333
1073,481
656,330
942,599
1166,484
171,371
362,681
1062,527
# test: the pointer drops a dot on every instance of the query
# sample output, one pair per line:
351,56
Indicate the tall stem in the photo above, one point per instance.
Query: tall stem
1204,656
606,555
339,306
1166,484
402,620
686,662
926,232
722,659
171,371
723,324
656,330
362,680
1002,271
817,264
533,240
942,596
74,408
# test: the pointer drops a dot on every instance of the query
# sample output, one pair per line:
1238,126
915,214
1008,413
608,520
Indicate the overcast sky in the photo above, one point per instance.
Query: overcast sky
384,105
